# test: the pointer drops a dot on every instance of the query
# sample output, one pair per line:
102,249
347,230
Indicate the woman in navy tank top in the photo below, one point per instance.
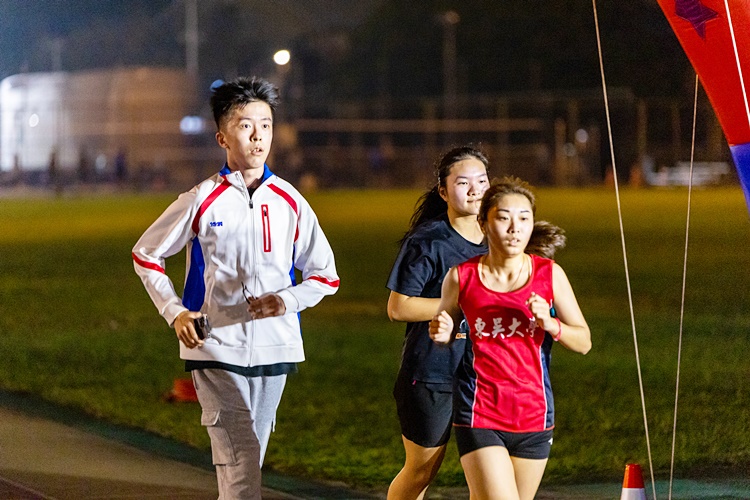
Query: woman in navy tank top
517,305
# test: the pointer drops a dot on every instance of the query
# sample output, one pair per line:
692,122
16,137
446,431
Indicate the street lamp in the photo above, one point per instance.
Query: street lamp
449,20
282,57
192,40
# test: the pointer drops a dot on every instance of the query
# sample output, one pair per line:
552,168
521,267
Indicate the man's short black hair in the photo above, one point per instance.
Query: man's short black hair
240,92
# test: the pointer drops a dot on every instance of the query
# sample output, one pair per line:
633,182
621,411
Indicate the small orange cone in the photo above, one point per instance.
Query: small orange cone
632,485
183,391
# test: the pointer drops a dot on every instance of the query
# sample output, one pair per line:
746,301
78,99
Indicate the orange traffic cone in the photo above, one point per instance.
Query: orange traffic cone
182,391
632,485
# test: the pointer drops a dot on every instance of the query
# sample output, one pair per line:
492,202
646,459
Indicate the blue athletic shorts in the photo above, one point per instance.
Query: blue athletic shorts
425,411
532,445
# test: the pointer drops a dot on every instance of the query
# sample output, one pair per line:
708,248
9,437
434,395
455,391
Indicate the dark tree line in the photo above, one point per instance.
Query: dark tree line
515,45
501,46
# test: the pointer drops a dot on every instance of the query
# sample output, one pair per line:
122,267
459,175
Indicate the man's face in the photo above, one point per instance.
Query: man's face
246,135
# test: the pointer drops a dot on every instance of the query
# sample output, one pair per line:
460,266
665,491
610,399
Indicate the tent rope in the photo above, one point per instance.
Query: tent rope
684,287
622,238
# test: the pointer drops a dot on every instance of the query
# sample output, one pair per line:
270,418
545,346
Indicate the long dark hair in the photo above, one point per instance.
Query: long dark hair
546,238
431,204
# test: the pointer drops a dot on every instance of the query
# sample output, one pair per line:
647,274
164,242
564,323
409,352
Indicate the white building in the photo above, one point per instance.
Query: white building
85,119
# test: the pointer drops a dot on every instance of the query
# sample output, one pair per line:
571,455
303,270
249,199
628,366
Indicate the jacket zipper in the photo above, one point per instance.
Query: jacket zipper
251,332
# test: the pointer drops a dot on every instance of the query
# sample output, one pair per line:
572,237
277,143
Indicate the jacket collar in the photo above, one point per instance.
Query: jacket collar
266,172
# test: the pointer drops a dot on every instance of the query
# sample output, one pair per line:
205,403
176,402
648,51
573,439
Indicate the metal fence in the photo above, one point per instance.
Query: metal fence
548,138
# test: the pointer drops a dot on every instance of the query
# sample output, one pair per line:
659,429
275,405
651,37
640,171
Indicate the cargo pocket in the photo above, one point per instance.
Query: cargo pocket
222,451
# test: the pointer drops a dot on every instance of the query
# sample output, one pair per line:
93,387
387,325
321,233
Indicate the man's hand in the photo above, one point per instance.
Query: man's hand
185,330
265,306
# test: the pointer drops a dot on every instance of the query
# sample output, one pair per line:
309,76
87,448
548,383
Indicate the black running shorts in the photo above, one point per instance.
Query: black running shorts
532,445
425,411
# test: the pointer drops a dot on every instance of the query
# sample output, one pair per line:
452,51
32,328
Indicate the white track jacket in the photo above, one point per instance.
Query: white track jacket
232,239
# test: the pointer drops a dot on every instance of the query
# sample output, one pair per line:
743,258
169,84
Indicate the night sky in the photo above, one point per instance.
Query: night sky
28,27
388,46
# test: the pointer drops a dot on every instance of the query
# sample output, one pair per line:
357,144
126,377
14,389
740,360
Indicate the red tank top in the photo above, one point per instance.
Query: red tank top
503,382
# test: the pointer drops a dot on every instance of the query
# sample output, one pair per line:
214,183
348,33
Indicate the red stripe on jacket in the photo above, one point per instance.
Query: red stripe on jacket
207,202
276,189
331,283
148,265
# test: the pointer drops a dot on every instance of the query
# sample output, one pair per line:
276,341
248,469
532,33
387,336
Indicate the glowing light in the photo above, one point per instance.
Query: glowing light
582,136
282,57
33,120
191,125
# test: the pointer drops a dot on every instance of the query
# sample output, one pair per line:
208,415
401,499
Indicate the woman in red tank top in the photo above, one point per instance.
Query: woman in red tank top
516,305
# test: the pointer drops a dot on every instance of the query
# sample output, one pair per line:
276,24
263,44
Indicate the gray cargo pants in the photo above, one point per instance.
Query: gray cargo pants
239,414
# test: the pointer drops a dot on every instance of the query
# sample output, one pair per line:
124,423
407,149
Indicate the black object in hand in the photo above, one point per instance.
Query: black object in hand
201,326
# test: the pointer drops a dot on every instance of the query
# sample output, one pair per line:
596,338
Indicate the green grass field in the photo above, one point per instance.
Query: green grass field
77,328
